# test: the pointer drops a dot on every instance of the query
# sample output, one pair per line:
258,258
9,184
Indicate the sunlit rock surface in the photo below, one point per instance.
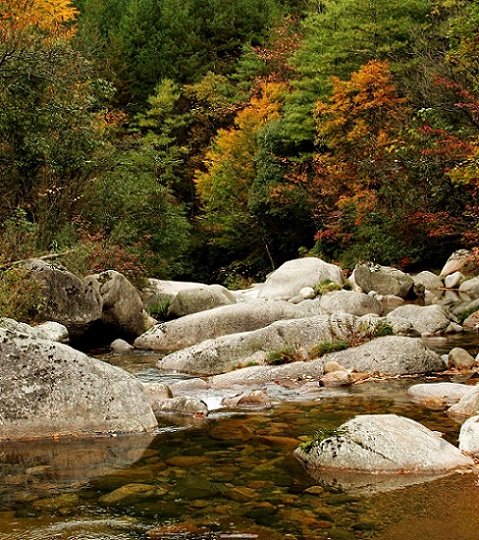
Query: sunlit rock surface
381,444
49,389
287,281
212,323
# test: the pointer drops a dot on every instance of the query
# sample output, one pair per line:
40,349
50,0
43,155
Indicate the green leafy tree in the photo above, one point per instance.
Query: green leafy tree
224,186
50,118
339,37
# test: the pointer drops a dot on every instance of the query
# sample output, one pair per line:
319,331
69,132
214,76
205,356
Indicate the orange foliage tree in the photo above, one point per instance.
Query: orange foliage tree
359,135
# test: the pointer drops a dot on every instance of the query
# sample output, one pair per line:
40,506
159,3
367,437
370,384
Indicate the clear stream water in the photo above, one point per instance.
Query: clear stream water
231,475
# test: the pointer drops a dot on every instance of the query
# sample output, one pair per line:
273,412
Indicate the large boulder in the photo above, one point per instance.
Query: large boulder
122,305
210,324
287,281
432,319
159,291
470,287
195,300
353,302
468,405
383,443
383,280
390,355
50,330
49,389
459,358
229,352
472,321
453,281
457,262
469,436
66,298
428,280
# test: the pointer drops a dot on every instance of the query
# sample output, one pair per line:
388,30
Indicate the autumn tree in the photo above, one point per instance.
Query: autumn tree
50,118
358,169
229,172
339,37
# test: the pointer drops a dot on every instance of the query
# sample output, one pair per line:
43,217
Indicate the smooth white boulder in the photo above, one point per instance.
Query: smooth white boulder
383,443
228,352
353,302
428,280
468,405
197,327
432,319
446,391
469,436
290,278
452,281
49,389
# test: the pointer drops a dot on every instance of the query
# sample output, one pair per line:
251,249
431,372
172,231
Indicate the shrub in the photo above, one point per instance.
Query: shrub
321,435
326,347
18,238
21,296
325,286
461,317
285,355
160,310
376,328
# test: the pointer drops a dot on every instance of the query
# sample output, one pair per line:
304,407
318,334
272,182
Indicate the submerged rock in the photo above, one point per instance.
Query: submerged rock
257,399
182,405
49,389
446,392
383,443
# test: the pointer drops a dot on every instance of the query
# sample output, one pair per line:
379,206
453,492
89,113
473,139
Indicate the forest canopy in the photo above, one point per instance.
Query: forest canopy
215,140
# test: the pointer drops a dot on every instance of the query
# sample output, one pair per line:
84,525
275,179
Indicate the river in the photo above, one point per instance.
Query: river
232,475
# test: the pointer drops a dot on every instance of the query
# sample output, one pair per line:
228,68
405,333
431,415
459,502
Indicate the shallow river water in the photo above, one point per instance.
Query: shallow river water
230,475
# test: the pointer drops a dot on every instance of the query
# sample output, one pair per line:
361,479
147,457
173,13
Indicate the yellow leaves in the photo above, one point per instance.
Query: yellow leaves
467,171
365,106
22,20
230,161
53,14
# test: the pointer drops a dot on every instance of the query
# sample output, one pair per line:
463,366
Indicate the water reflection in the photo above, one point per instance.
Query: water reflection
230,475
50,465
